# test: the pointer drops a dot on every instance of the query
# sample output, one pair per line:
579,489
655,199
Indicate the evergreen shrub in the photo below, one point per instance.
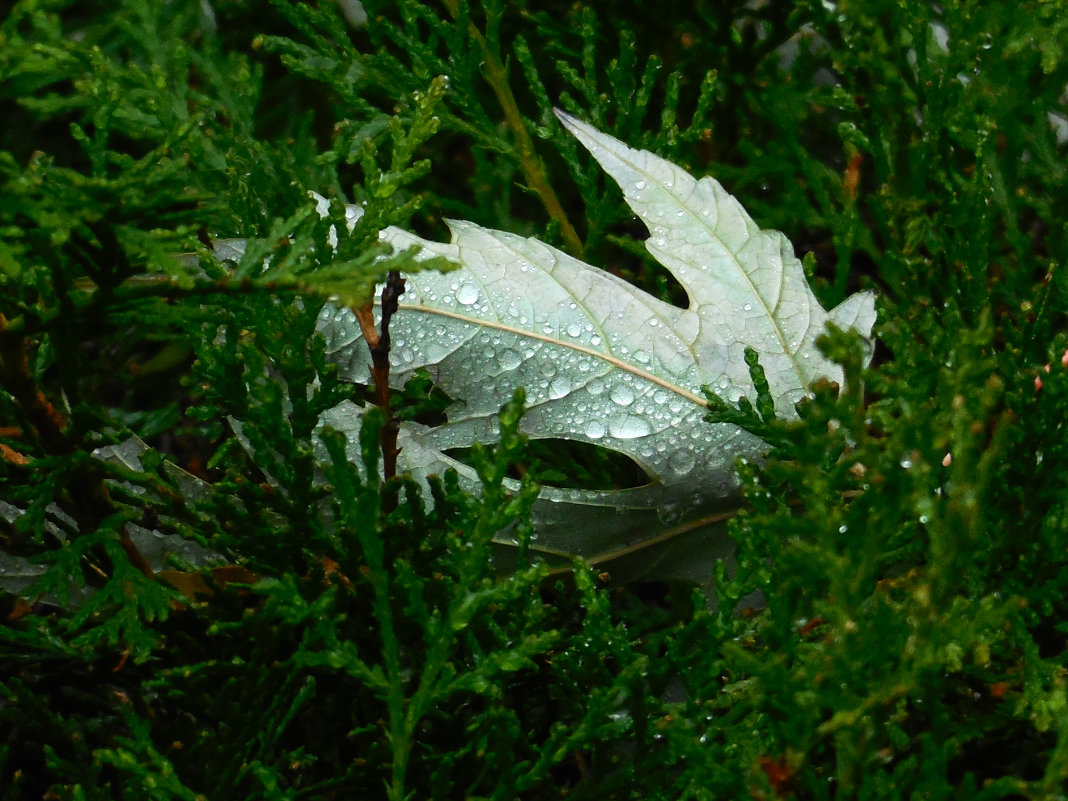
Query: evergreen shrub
893,624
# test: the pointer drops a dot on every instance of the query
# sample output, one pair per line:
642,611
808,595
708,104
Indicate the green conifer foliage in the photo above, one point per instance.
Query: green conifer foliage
892,623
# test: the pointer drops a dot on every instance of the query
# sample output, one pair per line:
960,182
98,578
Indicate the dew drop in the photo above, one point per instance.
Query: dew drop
629,427
595,429
640,185
623,395
509,359
467,294
682,461
559,387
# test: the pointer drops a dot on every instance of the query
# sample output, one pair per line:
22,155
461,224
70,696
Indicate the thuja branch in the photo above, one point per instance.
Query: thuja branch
529,160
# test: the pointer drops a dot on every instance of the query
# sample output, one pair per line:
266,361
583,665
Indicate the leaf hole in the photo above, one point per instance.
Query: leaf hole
572,464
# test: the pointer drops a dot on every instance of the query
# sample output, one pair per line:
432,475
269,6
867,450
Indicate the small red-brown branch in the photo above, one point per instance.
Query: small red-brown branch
379,344
17,379
365,316
12,456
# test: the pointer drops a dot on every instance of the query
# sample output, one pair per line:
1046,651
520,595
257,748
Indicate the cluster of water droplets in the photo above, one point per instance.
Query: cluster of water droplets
600,360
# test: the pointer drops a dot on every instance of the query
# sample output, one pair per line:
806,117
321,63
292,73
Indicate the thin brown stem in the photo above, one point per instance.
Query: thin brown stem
47,421
380,346
529,160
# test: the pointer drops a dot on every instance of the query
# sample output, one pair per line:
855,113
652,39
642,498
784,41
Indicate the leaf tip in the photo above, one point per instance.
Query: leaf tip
574,125
565,119
592,139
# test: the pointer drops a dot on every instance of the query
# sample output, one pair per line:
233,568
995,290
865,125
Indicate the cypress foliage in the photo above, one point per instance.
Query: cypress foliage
321,629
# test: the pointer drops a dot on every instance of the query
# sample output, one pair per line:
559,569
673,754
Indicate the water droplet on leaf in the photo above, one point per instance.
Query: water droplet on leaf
467,294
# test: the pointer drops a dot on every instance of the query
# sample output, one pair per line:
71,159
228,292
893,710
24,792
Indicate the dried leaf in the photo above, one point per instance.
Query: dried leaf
606,363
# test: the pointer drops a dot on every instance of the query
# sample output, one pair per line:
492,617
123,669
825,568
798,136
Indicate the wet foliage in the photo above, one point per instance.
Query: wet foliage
892,622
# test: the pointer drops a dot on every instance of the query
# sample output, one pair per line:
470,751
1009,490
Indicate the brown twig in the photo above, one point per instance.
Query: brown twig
379,343
15,375
529,161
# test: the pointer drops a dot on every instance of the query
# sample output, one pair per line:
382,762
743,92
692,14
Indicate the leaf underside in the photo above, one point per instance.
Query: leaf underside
606,363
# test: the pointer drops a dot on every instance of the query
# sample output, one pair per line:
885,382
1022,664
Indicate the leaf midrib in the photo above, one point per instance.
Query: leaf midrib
615,361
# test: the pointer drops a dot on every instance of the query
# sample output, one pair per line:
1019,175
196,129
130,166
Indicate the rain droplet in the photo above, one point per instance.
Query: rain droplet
467,294
682,461
509,359
623,395
559,387
640,185
629,427
669,513
596,429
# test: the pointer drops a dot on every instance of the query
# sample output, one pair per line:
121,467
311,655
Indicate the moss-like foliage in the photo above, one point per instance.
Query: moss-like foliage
892,625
